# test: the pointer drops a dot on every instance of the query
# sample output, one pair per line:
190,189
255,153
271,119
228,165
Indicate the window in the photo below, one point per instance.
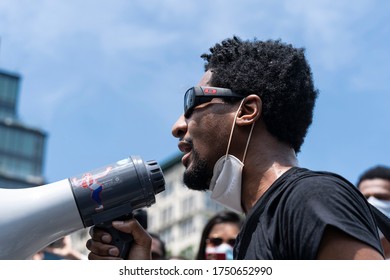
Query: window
8,95
166,235
188,205
21,151
186,227
167,215
169,187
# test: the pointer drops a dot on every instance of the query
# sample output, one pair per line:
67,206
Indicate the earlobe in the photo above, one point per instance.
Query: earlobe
250,110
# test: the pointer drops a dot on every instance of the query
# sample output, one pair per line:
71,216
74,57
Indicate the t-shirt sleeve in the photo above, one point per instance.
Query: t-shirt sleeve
316,203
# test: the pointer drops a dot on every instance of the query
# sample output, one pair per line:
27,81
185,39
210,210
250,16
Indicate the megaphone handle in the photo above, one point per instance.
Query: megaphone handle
120,239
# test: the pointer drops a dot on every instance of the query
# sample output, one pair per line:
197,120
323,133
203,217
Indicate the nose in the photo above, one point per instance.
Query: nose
179,129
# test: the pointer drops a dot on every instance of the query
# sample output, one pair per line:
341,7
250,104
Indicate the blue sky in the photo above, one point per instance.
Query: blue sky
105,79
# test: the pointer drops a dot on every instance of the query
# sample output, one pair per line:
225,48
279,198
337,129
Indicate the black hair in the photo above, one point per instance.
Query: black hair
278,73
219,218
376,172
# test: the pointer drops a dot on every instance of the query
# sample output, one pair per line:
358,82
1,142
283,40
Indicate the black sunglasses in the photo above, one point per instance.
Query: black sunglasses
216,241
199,95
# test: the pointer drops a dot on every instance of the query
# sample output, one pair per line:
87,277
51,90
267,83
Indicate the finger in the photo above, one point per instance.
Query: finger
142,241
101,249
132,226
99,234
92,256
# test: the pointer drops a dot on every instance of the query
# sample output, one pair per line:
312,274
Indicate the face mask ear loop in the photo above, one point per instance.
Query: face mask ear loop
231,131
247,142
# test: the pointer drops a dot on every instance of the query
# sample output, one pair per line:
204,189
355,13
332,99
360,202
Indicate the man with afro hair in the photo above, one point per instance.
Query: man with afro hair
241,130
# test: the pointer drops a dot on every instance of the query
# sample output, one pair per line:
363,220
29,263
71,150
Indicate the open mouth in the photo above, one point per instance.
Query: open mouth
186,148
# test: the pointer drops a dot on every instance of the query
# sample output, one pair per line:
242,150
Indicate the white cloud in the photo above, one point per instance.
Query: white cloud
330,28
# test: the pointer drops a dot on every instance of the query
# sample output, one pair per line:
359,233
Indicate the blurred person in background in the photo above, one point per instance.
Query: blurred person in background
374,183
60,249
219,236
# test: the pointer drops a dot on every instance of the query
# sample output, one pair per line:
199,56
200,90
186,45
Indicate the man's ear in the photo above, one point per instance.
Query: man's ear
250,110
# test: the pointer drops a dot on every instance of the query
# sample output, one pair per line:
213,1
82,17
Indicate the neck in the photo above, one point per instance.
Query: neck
262,169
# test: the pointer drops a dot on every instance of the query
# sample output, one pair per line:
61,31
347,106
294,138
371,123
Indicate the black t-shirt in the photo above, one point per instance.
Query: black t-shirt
288,221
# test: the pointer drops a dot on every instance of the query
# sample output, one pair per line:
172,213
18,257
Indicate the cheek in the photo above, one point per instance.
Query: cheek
209,139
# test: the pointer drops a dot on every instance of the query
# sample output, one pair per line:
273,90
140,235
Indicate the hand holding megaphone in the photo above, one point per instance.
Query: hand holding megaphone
140,247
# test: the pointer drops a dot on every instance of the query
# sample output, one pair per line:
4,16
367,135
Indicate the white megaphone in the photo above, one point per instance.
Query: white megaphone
32,218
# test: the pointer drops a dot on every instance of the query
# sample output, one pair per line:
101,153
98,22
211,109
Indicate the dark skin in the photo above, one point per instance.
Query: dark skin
102,250
265,162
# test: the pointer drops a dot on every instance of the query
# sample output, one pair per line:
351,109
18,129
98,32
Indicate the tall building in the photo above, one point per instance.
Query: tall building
21,146
179,214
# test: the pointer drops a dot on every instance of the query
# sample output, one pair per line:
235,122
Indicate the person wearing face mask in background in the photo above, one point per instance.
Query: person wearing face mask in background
242,128
374,183
219,236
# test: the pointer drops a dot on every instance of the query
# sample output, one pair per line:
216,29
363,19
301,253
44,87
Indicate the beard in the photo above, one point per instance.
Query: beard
199,176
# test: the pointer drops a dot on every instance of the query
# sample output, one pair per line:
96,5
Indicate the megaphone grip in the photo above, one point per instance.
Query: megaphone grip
120,239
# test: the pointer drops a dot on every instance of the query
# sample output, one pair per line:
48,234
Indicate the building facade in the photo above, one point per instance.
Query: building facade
179,214
22,147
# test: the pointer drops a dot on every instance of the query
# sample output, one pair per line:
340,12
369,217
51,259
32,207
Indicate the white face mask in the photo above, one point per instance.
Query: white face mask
382,205
225,184
223,252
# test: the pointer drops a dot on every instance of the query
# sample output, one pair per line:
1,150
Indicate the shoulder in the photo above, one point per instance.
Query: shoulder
325,197
301,189
319,184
